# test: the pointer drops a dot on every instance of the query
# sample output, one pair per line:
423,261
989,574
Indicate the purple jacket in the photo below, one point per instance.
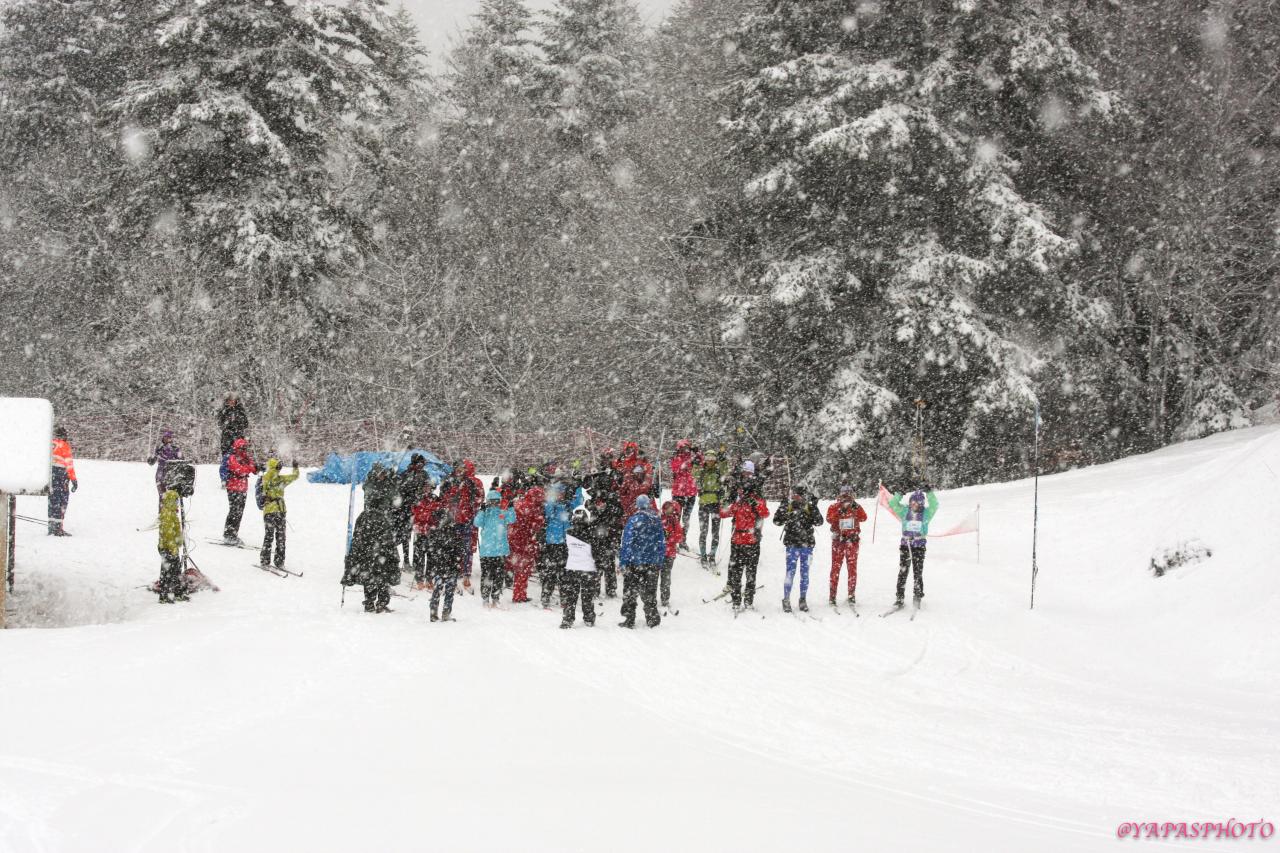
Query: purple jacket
162,456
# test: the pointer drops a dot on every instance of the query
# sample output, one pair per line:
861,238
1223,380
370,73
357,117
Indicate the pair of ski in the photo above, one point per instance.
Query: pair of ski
278,571
709,565
915,610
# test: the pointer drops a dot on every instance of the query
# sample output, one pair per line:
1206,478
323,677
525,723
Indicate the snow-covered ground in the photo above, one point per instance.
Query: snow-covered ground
266,717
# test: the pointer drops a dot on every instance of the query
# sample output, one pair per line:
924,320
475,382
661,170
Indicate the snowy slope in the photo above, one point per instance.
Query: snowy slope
266,717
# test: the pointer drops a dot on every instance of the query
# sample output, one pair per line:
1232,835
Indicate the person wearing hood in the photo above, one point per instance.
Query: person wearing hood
165,452
845,518
62,481
372,561
797,519
636,477
492,522
273,511
380,489
644,547
915,516
240,467
170,588
525,538
465,496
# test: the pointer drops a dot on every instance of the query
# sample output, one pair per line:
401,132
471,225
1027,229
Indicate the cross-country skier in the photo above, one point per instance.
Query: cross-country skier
492,522
644,547
233,423
165,452
915,531
414,483
240,466
797,518
710,476
607,524
525,539
674,532
558,514
748,511
845,518
684,486
62,481
274,519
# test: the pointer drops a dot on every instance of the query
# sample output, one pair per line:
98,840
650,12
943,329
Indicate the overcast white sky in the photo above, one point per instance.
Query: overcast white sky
439,20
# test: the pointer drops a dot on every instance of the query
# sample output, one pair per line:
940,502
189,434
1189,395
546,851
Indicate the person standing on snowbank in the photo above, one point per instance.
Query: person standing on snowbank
273,511
240,466
797,519
644,547
166,451
62,481
845,518
915,531
748,511
492,522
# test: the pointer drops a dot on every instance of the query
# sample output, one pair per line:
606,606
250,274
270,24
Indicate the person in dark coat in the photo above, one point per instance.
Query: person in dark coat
415,482
606,526
798,518
372,560
233,423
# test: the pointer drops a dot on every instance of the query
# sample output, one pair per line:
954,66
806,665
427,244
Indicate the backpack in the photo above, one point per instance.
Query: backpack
259,495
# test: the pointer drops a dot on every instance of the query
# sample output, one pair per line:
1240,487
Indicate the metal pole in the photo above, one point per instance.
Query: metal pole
876,517
1035,517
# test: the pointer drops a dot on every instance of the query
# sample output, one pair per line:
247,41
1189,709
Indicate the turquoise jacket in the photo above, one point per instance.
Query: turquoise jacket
492,523
915,526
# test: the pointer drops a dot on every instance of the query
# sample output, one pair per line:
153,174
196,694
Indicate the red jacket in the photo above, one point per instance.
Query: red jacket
61,456
846,512
683,485
672,527
525,535
426,515
634,483
746,512
240,466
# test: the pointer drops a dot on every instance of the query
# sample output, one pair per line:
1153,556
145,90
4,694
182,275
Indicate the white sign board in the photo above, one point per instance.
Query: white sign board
26,441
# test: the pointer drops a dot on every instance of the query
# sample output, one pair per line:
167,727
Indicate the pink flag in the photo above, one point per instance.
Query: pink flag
969,524
884,499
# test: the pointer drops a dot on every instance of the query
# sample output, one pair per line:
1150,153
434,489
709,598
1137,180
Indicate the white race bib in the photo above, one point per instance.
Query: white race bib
846,524
914,526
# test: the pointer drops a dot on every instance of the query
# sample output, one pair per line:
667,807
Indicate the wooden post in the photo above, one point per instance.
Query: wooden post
6,534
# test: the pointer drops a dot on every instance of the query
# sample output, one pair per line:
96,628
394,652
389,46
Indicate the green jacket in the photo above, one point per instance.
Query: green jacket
710,479
170,525
900,509
273,485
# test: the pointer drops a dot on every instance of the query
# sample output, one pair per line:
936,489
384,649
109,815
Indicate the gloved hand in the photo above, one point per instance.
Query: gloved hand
74,485
295,464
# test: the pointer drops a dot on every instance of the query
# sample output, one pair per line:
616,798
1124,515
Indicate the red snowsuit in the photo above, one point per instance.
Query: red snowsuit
524,539
682,483
845,519
634,482
746,512
671,525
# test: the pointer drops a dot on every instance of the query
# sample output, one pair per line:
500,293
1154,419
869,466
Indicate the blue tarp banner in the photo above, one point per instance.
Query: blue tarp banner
354,467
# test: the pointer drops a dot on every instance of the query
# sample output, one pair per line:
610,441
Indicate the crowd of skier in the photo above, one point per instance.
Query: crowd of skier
575,528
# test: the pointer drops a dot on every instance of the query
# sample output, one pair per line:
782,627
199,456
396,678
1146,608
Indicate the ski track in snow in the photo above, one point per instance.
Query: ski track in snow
265,716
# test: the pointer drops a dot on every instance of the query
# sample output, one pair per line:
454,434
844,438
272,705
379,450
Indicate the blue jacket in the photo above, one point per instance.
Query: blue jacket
644,542
559,516
492,524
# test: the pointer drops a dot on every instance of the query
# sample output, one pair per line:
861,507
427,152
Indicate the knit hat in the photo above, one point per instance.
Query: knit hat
493,495
643,502
749,467
917,497
846,489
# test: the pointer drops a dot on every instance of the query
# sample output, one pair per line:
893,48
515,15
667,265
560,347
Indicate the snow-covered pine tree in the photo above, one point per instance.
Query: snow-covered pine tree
248,111
896,255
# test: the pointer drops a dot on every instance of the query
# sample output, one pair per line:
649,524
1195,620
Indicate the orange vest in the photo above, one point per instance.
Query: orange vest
62,457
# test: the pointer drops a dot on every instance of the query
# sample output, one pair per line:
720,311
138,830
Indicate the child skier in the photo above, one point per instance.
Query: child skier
684,487
747,511
558,513
674,531
710,476
62,481
797,519
166,451
170,588
492,522
578,582
273,511
845,518
240,466
915,531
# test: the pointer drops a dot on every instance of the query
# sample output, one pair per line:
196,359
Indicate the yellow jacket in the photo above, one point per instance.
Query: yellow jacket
170,525
273,485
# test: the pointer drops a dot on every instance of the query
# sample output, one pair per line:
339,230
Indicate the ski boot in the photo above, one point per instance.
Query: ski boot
786,605
804,606
625,624
851,601
565,624
181,596
165,598
434,616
